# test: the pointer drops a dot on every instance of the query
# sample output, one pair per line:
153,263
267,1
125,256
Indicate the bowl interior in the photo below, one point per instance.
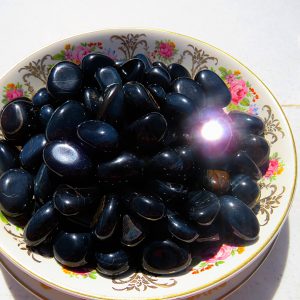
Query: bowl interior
249,94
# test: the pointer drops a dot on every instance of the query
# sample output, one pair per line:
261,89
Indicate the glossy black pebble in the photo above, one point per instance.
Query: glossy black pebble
9,156
160,64
158,93
246,189
68,201
257,148
16,191
100,136
108,218
190,89
41,224
216,91
65,80
41,98
73,249
91,63
177,71
112,263
180,228
145,60
138,100
67,159
165,257
31,155
45,113
210,233
92,101
107,76
148,207
148,130
132,232
247,123
63,122
177,107
202,207
121,169
160,76
18,121
132,70
238,219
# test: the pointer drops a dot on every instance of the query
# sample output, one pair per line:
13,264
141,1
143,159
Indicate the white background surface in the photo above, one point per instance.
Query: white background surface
265,35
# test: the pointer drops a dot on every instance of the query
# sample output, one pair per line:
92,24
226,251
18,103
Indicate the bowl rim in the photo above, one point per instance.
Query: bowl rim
255,255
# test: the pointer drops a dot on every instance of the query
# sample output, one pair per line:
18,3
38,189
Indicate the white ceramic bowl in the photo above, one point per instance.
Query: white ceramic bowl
248,94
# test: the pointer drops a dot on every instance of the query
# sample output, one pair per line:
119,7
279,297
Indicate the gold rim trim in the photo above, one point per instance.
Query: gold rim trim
229,275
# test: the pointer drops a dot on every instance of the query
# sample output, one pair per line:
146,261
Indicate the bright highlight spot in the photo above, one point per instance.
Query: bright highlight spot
212,131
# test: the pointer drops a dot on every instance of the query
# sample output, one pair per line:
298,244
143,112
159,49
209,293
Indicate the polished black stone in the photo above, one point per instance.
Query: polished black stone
216,91
9,157
41,225
107,76
246,189
100,136
158,93
112,263
147,131
16,191
160,76
138,100
65,80
165,257
132,232
238,219
148,207
256,147
31,155
132,70
18,121
145,60
210,233
65,119
160,64
109,217
45,114
113,107
42,97
67,159
246,123
177,107
91,63
189,88
180,228
92,101
241,163
121,169
202,207
45,183
73,249
177,71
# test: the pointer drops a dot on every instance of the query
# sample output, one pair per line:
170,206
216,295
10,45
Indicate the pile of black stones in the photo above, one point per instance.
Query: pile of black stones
130,163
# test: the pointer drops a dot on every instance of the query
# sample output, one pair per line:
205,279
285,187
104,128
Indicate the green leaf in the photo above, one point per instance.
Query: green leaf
219,262
232,253
3,219
203,264
59,56
245,102
229,72
92,276
248,84
213,69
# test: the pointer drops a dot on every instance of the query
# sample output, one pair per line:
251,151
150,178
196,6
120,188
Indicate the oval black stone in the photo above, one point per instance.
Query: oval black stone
158,93
160,76
216,91
107,76
145,60
165,257
45,113
16,191
132,70
73,249
41,225
92,101
67,159
132,232
202,207
31,156
177,71
9,157
64,121
246,189
65,81
238,219
41,98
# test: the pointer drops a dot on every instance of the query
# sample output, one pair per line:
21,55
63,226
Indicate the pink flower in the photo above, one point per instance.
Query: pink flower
237,87
166,50
223,253
273,167
77,54
14,93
